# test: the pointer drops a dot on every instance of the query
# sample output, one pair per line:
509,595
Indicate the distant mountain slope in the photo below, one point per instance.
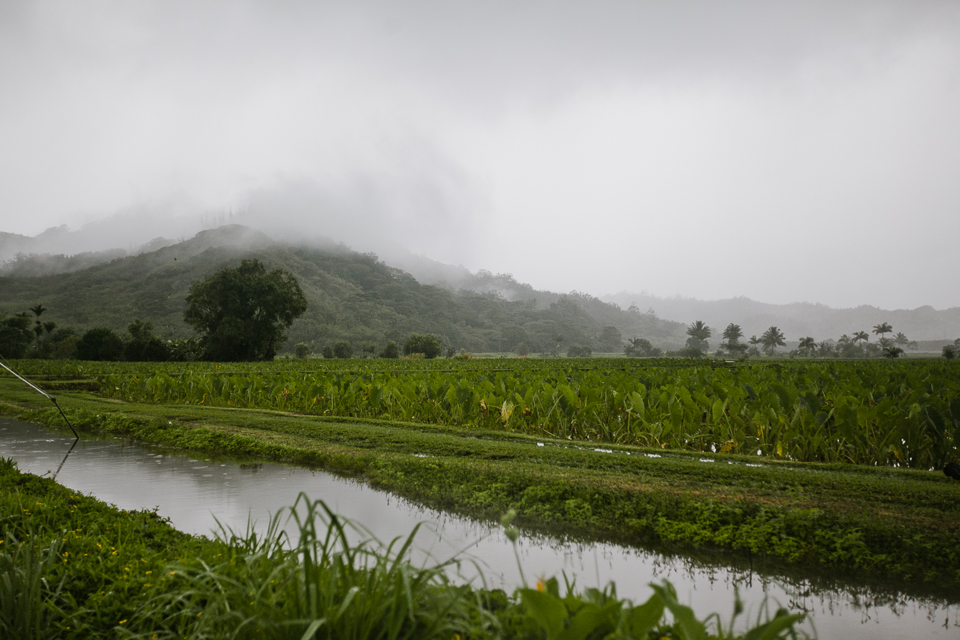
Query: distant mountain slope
351,296
798,319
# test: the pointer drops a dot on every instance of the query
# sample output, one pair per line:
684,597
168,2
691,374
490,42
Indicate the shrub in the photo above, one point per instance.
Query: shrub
641,348
427,344
390,351
302,350
100,343
15,336
342,349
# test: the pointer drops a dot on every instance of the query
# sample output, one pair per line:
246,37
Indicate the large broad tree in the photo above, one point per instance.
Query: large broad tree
243,312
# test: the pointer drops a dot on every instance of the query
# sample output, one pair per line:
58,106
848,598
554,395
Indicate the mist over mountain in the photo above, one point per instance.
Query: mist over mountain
128,241
351,296
781,151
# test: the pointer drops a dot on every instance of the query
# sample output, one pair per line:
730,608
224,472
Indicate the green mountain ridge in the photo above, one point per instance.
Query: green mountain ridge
351,296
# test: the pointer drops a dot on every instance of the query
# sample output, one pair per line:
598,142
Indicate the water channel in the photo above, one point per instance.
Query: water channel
195,492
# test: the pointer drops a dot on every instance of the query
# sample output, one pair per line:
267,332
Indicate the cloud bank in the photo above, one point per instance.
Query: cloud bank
778,150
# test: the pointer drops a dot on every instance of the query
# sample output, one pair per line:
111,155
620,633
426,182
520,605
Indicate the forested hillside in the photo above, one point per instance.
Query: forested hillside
351,296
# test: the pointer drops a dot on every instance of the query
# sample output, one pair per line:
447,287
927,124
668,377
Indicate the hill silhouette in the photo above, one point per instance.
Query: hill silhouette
351,296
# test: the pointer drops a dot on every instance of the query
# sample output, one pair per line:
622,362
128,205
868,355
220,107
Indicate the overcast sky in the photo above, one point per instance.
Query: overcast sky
785,151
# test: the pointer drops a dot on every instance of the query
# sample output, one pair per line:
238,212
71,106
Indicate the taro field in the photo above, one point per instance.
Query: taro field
894,413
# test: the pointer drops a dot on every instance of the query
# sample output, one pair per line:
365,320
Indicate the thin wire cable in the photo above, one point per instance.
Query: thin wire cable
41,392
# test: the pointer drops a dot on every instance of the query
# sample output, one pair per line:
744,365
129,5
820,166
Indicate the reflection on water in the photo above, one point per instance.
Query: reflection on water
196,493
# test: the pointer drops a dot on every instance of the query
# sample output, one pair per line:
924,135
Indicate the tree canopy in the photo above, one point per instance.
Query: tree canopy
697,342
243,312
427,344
771,339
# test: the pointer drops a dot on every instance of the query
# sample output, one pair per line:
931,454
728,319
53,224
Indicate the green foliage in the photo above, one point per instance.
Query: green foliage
63,344
143,346
184,350
428,344
579,352
866,412
641,348
243,312
697,344
610,340
15,336
390,351
302,350
771,339
342,349
26,609
731,342
100,343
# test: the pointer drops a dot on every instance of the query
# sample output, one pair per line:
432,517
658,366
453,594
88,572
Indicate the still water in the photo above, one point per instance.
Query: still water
196,492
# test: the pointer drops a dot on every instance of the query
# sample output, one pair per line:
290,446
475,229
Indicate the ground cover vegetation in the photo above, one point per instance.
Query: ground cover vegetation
73,567
864,519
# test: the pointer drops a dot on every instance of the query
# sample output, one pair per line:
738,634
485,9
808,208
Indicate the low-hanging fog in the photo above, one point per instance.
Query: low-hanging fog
784,151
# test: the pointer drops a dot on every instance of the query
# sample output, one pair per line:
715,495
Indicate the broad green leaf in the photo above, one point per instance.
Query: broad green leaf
645,617
547,610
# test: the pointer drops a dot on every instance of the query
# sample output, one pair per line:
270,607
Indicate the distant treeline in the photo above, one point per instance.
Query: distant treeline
853,346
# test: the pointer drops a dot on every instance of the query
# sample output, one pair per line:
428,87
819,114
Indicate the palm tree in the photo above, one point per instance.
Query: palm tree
38,328
698,332
732,333
901,340
731,343
771,339
861,336
807,346
882,328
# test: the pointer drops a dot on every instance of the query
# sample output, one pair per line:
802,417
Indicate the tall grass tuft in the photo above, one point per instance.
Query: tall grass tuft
26,609
323,587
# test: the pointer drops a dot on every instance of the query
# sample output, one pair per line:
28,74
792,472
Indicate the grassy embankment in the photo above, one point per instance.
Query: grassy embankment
73,567
874,523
